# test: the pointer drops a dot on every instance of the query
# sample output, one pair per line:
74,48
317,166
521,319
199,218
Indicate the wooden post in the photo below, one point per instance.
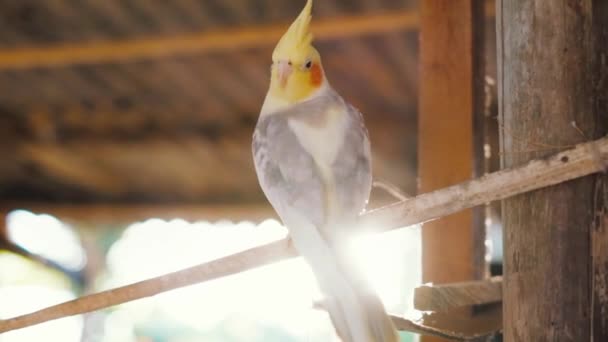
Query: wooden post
553,78
451,85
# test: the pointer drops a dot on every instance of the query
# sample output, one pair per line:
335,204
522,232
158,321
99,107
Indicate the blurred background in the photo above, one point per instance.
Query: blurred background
125,132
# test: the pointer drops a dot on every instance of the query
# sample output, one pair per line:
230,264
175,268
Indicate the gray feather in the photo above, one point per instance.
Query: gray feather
288,174
295,187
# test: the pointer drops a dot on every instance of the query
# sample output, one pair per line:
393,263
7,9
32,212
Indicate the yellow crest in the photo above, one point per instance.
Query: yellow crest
298,38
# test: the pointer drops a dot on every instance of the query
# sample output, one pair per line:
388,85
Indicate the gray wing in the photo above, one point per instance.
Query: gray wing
291,180
286,172
352,168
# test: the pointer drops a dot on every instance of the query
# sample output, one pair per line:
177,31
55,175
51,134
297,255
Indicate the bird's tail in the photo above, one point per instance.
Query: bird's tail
355,310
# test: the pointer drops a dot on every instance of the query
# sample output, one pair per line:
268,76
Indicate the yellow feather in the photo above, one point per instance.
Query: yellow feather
295,47
296,42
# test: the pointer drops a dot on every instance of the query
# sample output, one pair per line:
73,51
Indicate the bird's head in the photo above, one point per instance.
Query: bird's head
296,71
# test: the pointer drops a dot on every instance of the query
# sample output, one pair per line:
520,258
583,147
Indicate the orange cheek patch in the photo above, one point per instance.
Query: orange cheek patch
316,75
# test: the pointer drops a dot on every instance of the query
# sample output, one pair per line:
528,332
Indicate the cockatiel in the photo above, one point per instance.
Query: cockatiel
313,162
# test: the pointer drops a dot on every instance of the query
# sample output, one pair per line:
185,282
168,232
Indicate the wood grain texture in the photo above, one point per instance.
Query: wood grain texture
551,75
599,231
599,255
480,324
445,130
449,296
449,88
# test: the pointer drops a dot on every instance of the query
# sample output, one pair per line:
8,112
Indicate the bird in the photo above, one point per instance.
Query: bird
312,158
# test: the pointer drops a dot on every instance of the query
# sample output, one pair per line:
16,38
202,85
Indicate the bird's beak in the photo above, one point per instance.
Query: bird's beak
284,71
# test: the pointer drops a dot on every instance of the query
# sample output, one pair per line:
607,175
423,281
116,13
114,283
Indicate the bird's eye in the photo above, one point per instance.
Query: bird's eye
308,65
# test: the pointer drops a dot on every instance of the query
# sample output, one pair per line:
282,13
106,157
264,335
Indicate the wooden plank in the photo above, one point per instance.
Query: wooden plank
449,94
455,295
553,73
579,162
476,324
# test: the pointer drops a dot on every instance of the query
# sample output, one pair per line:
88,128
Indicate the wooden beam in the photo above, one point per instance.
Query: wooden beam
456,295
449,99
599,228
198,43
581,161
553,91
95,52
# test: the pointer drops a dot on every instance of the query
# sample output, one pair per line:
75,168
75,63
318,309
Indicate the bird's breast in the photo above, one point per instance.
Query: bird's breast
321,135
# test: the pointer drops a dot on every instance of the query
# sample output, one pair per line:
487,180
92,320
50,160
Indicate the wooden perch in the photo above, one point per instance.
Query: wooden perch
448,296
581,161
584,159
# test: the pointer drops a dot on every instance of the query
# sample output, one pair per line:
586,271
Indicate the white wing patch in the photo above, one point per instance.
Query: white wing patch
322,142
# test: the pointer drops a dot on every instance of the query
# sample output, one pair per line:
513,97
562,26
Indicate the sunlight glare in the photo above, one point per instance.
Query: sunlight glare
282,293
18,300
46,236
388,260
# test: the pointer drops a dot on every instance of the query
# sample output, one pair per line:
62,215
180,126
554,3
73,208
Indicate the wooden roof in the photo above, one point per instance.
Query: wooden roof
150,100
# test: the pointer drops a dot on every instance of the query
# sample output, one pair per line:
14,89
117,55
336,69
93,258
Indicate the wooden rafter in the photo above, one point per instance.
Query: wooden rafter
197,43
94,52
